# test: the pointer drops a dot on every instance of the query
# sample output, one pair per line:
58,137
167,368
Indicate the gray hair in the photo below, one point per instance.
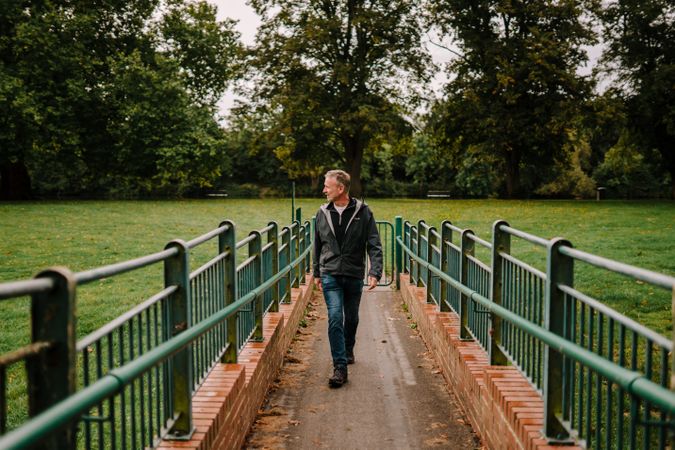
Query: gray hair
341,177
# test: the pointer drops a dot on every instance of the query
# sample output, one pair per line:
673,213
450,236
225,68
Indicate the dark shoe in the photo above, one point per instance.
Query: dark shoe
350,358
339,377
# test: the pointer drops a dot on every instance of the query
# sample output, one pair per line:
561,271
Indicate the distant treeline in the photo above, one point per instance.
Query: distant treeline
118,99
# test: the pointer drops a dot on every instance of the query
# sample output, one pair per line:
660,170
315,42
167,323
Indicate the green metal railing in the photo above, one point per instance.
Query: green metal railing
138,373
604,378
386,231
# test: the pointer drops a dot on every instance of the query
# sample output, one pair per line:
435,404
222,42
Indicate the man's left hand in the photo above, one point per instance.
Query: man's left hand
372,282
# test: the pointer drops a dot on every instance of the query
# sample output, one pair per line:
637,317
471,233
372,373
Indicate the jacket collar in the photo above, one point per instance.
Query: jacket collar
327,207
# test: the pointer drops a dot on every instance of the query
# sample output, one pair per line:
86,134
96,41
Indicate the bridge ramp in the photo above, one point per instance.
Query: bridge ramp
395,398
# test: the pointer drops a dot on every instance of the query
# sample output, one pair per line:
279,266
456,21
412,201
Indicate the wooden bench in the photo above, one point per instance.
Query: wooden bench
438,194
216,194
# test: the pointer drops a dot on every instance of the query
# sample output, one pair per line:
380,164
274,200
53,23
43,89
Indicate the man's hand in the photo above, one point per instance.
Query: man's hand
372,282
317,283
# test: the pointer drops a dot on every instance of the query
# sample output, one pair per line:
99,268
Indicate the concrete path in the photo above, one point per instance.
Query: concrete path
395,398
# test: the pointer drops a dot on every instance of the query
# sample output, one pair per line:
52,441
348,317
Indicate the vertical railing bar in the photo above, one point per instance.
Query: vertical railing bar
608,410
582,370
646,437
199,303
598,382
99,407
148,347
589,381
141,383
111,401
573,396
158,372
123,414
634,407
522,305
132,386
620,391
86,381
664,383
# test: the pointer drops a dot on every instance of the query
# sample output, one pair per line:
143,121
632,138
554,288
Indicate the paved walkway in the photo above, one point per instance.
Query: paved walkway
395,398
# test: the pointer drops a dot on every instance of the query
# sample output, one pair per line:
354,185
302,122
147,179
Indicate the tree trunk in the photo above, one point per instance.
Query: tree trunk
512,173
14,182
354,157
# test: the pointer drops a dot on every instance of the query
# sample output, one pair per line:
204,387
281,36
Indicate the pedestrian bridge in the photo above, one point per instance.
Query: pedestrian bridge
531,360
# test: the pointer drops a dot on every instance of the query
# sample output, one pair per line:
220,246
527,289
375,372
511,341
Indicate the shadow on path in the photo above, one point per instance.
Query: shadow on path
395,398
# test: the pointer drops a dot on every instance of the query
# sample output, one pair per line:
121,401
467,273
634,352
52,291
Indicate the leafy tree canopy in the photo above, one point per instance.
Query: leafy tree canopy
337,73
515,87
113,97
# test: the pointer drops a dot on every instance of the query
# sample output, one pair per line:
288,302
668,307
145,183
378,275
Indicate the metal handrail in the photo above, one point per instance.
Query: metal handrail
645,275
114,381
631,381
480,241
454,228
245,241
25,287
525,236
98,273
207,236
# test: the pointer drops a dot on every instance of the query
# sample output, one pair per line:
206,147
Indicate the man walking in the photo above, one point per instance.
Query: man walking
345,230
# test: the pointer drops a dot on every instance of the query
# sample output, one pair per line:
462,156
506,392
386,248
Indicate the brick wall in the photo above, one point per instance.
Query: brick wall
225,405
502,406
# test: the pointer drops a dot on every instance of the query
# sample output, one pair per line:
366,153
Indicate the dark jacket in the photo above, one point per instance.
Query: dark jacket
360,235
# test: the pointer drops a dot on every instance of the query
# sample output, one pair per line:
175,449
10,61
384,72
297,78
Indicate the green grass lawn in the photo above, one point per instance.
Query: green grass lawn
87,234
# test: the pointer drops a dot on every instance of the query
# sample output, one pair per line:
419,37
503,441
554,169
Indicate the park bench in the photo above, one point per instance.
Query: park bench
438,194
216,194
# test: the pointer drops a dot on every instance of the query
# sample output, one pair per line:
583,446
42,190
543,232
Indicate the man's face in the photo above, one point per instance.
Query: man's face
332,189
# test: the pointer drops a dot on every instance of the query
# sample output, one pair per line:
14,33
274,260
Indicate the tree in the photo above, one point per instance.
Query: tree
334,71
111,98
515,86
641,54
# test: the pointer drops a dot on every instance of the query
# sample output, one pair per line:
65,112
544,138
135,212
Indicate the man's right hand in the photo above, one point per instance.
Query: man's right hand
317,283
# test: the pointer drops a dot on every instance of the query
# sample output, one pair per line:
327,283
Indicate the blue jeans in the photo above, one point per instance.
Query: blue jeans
343,297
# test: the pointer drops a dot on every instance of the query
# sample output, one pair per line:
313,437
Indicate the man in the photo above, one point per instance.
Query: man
345,230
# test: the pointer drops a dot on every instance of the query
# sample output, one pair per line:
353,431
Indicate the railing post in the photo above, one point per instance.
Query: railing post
501,243
52,372
398,229
227,243
309,228
286,243
295,252
177,273
298,215
273,236
411,264
419,252
408,243
255,249
431,238
559,270
446,235
302,244
467,247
